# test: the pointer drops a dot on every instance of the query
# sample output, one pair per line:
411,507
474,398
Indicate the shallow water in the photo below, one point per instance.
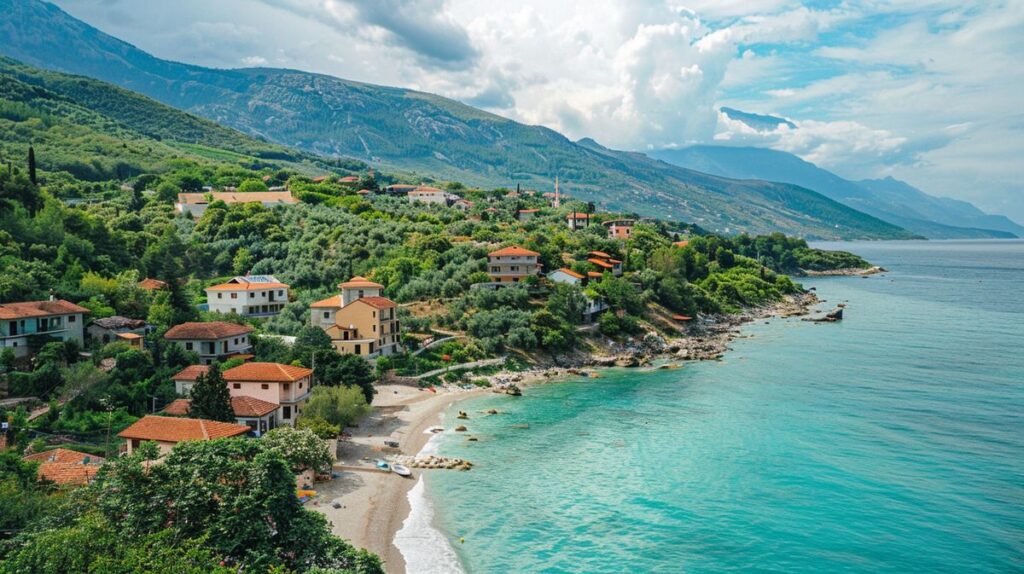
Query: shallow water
890,442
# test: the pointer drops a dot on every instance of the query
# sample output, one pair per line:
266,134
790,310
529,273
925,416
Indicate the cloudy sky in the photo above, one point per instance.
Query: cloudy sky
929,91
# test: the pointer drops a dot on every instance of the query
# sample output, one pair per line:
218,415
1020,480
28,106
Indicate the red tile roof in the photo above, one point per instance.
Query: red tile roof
68,473
64,455
174,429
514,250
594,275
682,317
267,373
210,330
243,406
378,302
358,281
570,272
238,286
601,263
600,254
578,215
232,197
348,179
152,284
334,301
529,210
681,243
32,309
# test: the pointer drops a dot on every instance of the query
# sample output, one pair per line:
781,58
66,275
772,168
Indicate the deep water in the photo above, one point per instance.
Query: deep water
890,442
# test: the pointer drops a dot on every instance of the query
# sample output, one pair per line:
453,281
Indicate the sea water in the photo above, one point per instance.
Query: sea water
890,442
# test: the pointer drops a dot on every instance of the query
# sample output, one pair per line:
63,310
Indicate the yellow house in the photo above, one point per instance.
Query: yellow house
367,327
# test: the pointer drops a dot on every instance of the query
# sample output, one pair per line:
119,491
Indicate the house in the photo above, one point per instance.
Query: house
132,339
512,264
566,275
55,318
152,284
319,179
287,386
595,306
167,432
577,220
368,327
258,415
212,341
681,244
65,467
195,204
108,329
424,194
605,262
462,204
399,189
186,378
527,214
620,228
323,312
249,296
349,179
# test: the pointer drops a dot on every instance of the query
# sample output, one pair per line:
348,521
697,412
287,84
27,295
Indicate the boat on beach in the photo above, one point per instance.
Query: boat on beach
401,470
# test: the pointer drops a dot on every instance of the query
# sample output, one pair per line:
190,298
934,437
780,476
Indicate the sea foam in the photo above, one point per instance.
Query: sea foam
424,548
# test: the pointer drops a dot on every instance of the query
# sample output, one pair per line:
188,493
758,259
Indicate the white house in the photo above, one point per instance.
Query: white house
249,296
212,341
196,203
577,220
424,194
565,275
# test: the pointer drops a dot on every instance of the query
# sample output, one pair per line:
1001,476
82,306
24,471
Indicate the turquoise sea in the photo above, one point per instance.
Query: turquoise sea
890,442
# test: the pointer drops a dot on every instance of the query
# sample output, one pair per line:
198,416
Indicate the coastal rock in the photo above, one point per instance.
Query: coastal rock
460,428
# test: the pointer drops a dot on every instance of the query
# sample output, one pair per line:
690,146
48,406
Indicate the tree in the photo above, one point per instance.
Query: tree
32,165
211,399
337,405
333,369
318,426
252,185
300,447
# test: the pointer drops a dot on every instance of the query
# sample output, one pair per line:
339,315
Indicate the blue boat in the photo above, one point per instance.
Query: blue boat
383,465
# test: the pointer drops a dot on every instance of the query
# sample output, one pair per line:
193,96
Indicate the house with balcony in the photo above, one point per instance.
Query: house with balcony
368,327
260,416
287,387
167,432
322,313
248,296
56,318
512,264
620,228
213,340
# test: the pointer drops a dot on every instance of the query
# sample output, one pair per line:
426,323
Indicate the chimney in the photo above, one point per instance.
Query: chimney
53,295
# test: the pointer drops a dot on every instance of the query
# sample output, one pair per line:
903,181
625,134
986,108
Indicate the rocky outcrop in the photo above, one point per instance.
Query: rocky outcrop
431,461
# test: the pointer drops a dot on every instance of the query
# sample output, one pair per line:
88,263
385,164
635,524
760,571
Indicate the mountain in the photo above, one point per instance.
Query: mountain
401,129
889,199
96,131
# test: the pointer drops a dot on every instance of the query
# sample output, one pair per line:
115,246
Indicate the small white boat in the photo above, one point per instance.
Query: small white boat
383,465
401,469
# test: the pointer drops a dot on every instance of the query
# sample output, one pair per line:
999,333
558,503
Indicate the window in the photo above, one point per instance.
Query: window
264,386
287,386
236,385
72,318
188,346
280,293
360,294
236,340
327,314
374,314
219,295
234,295
359,349
300,385
374,328
287,412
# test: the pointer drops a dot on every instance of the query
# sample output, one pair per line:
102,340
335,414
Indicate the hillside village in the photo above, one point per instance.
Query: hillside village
204,294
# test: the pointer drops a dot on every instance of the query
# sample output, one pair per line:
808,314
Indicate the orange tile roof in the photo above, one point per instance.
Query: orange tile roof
600,263
682,317
178,407
514,250
190,373
267,372
425,189
129,336
152,284
333,301
243,406
174,429
528,210
348,179
578,215
681,243
64,455
601,254
378,302
239,286
31,309
594,275
68,473
359,281
210,330
231,197
570,272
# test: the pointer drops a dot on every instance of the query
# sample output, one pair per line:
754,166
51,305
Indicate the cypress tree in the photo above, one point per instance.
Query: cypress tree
211,399
32,165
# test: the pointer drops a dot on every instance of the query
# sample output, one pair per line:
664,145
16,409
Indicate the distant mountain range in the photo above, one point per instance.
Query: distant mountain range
888,199
416,132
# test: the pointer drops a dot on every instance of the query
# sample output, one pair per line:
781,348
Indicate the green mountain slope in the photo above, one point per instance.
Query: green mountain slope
96,131
404,130
889,199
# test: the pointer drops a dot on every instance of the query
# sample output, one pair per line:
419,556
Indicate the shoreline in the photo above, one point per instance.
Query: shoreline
375,504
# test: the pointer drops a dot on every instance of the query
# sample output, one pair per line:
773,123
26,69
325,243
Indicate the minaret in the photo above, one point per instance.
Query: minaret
558,199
